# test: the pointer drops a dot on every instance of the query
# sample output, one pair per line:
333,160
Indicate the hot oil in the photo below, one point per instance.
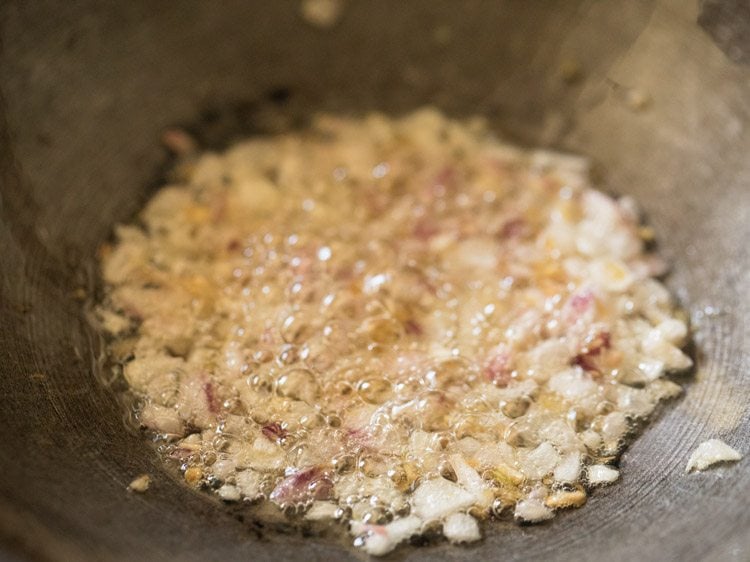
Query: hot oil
334,317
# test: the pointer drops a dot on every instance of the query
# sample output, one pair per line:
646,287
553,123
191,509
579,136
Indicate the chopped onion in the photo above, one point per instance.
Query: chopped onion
439,497
532,511
711,452
461,527
599,474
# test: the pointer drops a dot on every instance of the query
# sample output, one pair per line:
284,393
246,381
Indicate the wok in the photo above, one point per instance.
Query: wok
657,93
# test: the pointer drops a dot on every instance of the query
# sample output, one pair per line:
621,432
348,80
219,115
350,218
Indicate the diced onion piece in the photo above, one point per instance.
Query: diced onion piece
569,468
229,493
471,481
591,439
381,539
572,383
564,499
224,468
672,330
663,389
711,452
249,483
532,511
461,527
140,484
161,419
439,497
541,461
599,474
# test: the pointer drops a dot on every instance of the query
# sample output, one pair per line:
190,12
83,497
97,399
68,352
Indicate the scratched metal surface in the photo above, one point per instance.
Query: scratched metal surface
85,90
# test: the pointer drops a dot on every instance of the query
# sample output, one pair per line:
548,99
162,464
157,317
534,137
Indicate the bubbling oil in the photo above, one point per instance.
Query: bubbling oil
329,319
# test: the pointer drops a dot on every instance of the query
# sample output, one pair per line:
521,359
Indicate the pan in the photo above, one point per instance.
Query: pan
656,93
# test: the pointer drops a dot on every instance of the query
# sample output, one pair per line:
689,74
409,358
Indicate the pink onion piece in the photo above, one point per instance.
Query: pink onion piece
303,486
